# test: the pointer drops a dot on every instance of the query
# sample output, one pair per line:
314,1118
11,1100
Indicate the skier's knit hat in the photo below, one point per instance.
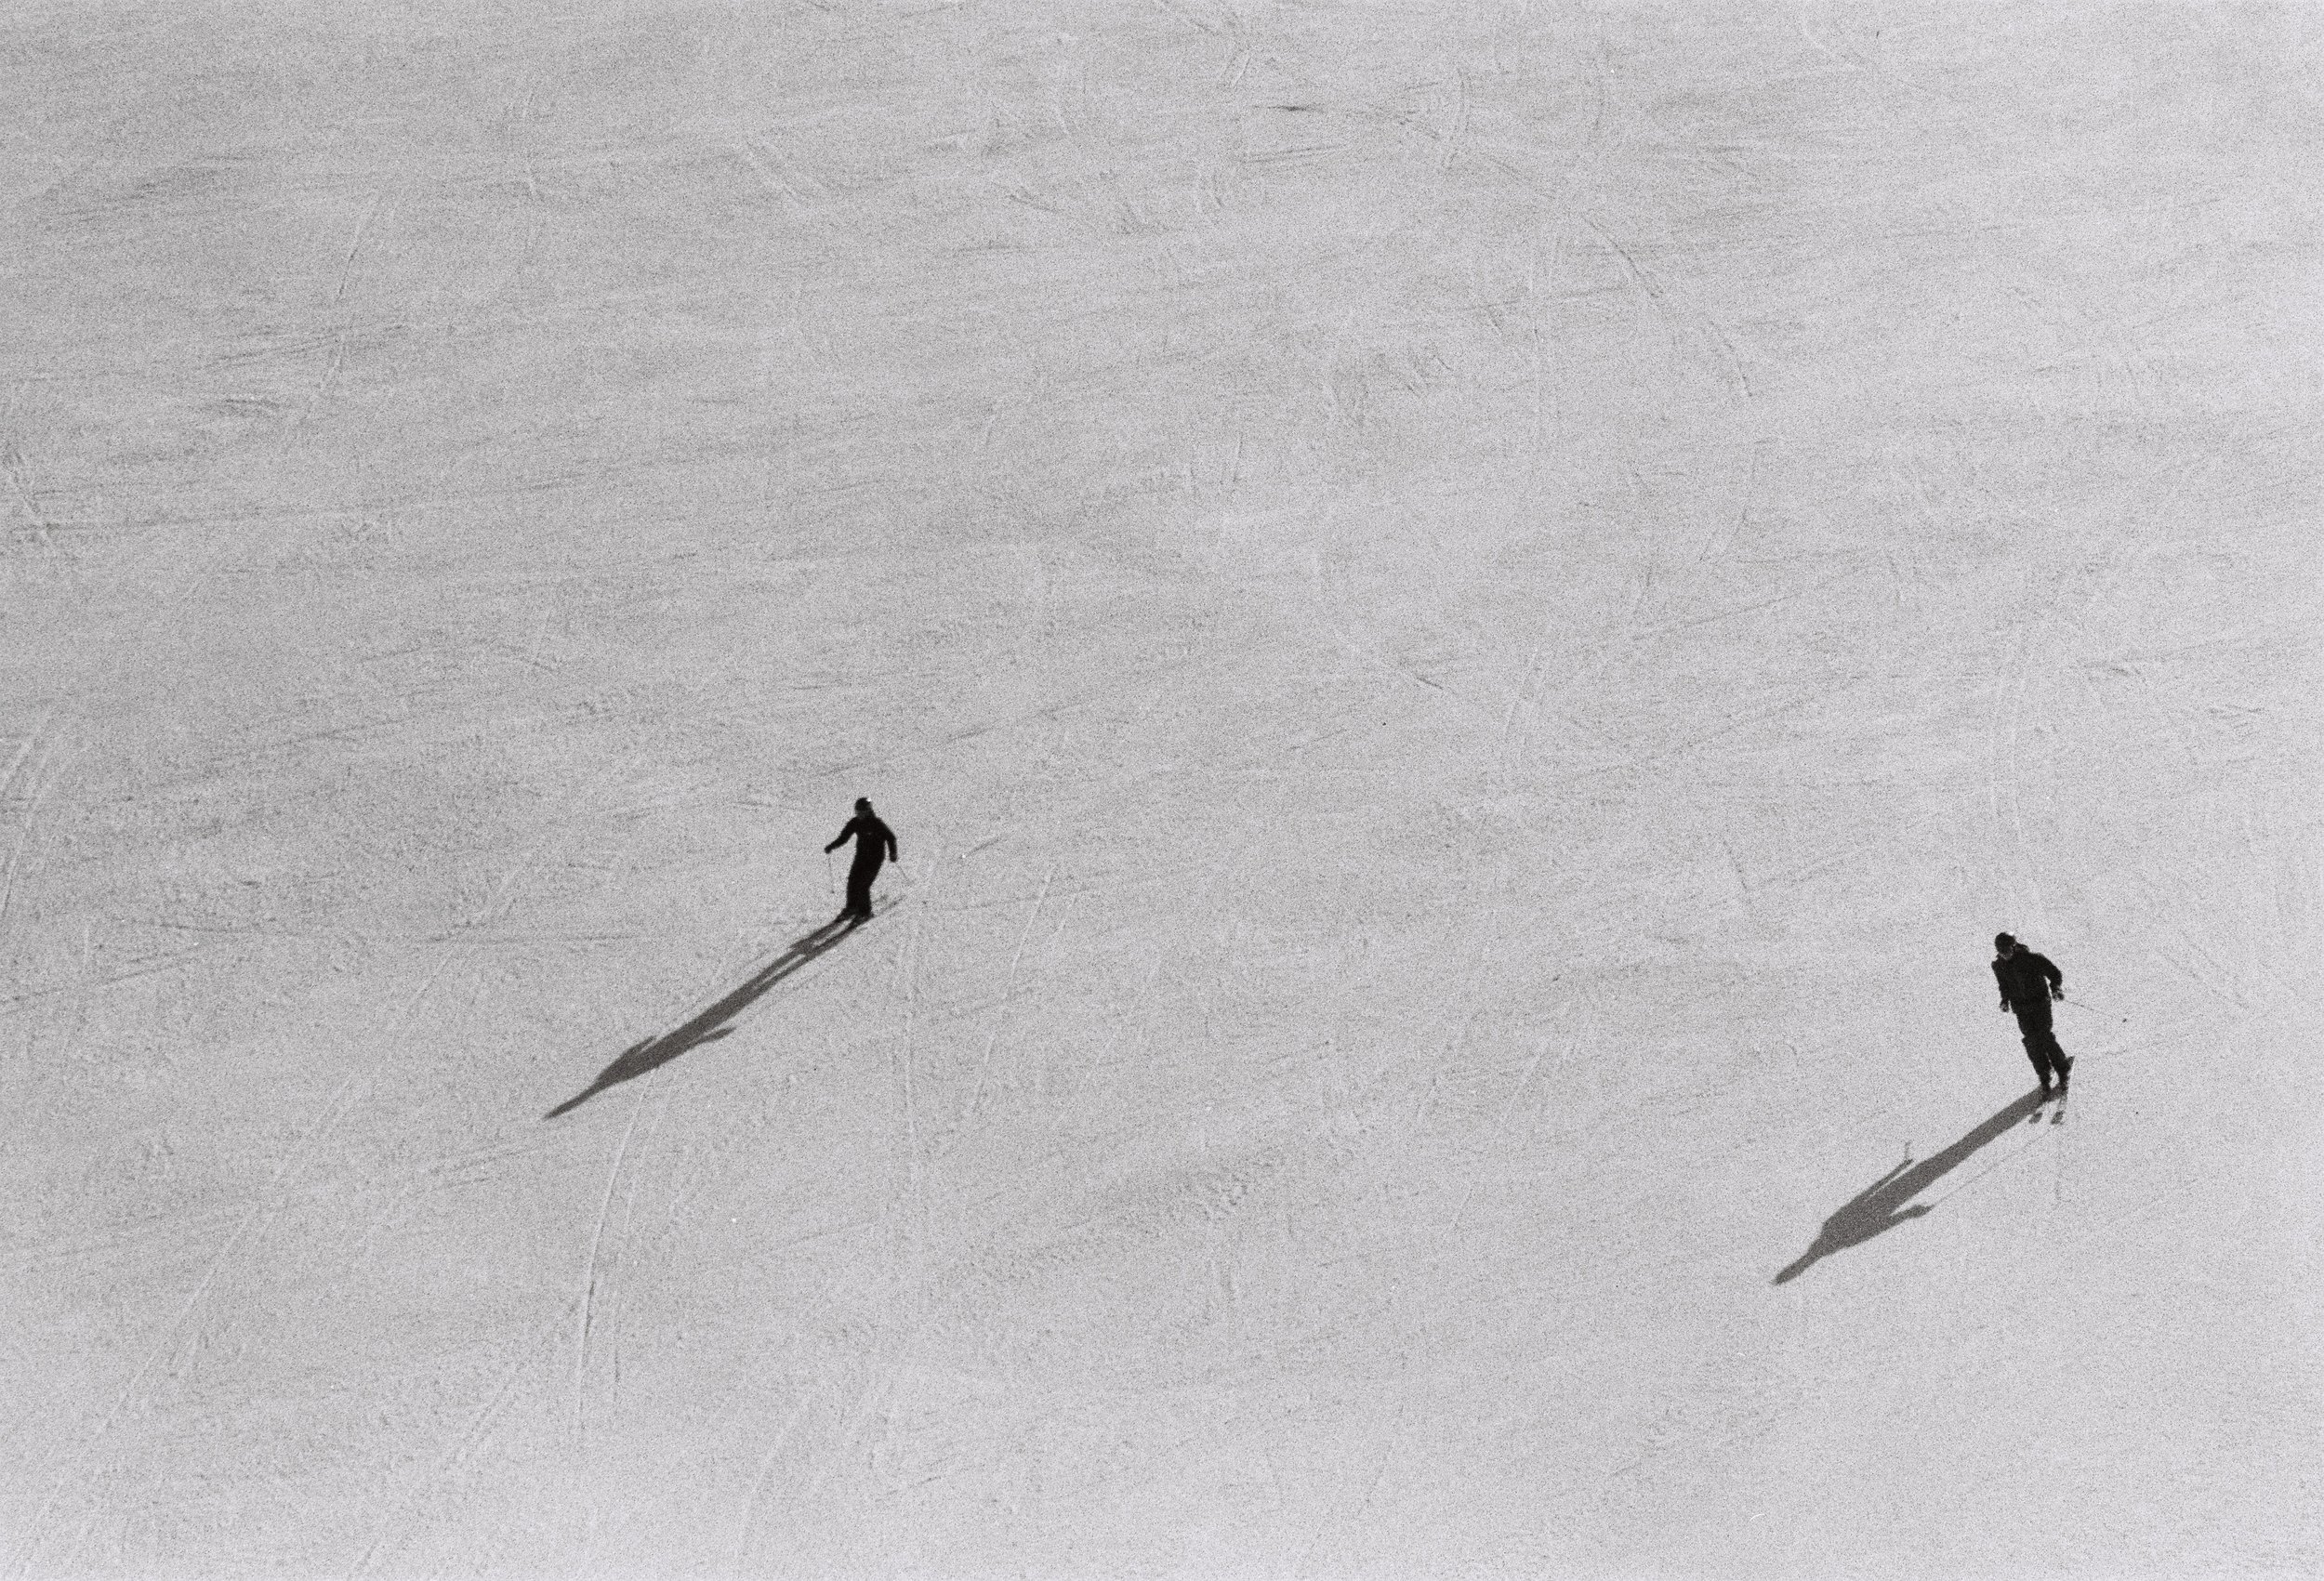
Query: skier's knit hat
2002,943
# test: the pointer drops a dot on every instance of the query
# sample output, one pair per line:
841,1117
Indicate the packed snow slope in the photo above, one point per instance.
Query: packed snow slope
1469,617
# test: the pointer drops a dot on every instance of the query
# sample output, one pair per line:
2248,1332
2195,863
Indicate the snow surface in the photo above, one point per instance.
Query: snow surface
1469,617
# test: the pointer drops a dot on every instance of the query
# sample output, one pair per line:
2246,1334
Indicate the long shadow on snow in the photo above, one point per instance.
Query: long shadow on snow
1881,1205
712,1025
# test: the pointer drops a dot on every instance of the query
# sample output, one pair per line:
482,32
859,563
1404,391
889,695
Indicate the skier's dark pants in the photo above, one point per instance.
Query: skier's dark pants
859,883
2042,1044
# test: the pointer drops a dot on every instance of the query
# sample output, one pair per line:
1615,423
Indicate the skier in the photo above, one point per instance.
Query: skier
875,843
2029,983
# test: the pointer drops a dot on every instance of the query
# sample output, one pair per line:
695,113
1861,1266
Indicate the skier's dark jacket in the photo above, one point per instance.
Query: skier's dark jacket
2027,978
875,842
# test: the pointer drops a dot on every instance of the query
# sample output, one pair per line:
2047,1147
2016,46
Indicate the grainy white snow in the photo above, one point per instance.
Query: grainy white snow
1469,617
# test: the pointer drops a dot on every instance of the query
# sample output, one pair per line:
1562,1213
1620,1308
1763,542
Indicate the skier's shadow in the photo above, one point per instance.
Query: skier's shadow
1880,1205
711,1024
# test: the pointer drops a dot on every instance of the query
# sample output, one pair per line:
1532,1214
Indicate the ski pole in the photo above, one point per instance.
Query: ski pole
2092,1008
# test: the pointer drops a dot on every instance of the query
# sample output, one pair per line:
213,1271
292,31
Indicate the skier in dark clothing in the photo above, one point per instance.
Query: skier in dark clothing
2029,983
875,843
